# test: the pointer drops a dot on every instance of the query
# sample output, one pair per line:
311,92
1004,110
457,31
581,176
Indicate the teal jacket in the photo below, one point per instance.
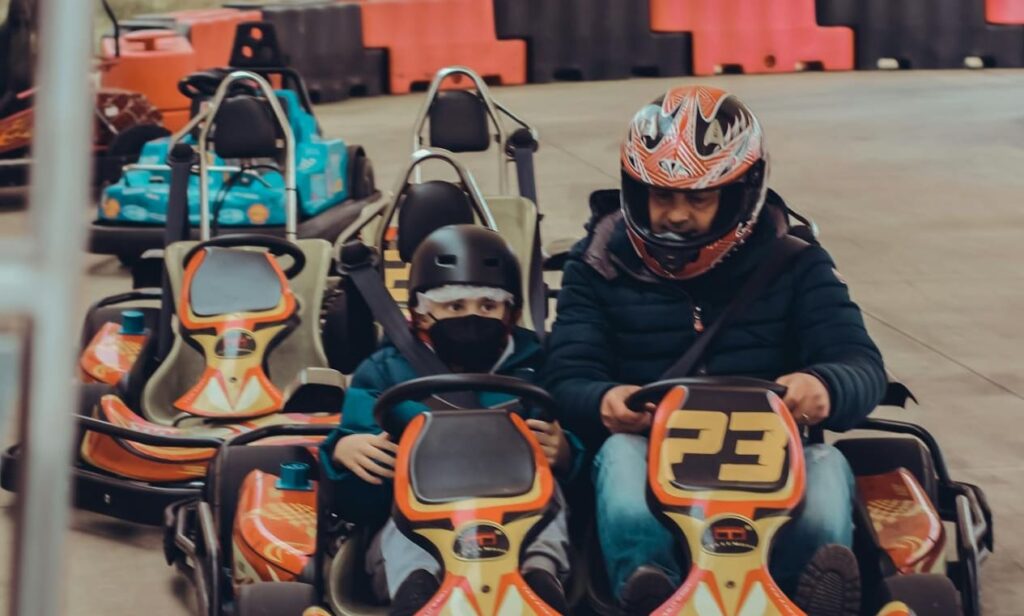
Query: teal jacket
364,503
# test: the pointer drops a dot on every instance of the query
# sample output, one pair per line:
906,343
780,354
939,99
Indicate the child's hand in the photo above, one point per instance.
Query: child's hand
552,441
370,457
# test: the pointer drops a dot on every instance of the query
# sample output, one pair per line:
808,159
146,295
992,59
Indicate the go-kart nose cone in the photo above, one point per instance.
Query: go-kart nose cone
133,323
294,476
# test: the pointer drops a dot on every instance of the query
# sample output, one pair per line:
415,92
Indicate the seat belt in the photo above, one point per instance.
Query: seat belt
358,264
784,250
522,153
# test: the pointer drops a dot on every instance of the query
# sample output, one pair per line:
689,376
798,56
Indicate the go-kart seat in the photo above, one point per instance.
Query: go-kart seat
491,458
422,209
517,220
222,287
245,127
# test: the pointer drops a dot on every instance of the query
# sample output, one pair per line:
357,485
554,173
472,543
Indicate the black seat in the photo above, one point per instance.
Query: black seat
470,454
245,127
459,122
231,281
425,208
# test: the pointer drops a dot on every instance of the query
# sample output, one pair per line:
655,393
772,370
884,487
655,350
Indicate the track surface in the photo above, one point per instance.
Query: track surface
915,180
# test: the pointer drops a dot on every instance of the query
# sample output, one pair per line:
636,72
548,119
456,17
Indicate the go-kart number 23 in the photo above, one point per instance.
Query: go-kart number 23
712,428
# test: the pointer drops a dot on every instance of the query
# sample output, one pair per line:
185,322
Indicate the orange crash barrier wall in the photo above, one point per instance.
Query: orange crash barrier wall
925,33
422,36
211,32
323,41
152,62
591,39
1004,11
754,36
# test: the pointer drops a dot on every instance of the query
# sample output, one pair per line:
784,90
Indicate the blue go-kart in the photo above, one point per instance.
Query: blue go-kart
256,154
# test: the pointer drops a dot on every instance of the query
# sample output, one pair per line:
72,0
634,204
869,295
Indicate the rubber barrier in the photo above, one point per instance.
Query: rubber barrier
422,36
1004,11
591,39
152,62
753,36
925,33
324,43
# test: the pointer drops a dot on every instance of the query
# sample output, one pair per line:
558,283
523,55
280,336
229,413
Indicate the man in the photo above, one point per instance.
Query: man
695,221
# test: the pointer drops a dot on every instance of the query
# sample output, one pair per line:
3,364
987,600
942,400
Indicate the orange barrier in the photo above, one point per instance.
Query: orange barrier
1004,11
753,36
422,36
212,32
151,63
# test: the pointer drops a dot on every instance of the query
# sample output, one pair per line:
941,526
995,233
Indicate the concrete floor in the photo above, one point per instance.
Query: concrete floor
915,180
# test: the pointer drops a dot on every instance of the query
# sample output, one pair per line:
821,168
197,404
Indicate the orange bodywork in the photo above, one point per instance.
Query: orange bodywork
152,62
908,527
476,585
16,131
174,464
110,355
274,534
728,528
234,384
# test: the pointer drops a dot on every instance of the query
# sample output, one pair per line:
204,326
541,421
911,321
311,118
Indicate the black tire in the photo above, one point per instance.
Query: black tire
360,174
275,599
926,594
232,466
874,456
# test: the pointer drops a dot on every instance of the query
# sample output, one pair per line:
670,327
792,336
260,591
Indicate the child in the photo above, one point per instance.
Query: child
466,298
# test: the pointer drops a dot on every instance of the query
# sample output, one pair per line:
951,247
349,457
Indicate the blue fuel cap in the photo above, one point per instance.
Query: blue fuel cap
133,322
294,476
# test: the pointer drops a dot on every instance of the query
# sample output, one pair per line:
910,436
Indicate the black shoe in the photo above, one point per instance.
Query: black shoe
830,584
645,591
414,593
548,588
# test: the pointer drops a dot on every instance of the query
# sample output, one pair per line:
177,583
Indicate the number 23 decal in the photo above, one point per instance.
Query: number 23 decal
712,427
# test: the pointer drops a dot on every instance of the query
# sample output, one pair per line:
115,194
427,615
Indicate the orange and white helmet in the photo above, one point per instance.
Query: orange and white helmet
694,138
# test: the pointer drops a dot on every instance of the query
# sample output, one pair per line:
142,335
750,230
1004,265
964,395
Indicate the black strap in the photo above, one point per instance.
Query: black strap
783,252
424,362
528,189
176,229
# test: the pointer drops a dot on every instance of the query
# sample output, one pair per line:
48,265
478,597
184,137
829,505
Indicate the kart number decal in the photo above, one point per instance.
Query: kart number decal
715,449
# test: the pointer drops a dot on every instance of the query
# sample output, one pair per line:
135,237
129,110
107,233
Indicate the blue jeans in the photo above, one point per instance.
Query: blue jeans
631,536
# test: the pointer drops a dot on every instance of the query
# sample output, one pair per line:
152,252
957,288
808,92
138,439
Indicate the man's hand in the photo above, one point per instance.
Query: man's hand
370,457
617,417
807,398
552,441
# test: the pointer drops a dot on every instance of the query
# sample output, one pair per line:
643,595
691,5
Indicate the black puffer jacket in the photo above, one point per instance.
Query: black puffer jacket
617,323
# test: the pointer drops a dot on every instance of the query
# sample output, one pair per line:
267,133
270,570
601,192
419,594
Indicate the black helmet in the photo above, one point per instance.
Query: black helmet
465,255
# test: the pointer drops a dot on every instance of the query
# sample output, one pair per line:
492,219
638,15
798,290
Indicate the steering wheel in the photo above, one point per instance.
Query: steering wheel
275,245
653,393
424,387
204,84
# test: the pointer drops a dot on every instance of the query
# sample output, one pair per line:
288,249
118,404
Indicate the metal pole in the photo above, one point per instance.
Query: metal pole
60,182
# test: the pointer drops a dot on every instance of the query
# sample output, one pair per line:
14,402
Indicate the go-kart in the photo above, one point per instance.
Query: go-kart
392,230
726,472
452,122
124,120
230,343
471,506
262,149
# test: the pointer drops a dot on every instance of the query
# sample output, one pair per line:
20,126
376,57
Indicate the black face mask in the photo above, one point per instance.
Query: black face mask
472,343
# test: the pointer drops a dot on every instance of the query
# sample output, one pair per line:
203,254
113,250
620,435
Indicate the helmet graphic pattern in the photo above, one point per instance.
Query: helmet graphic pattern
698,138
